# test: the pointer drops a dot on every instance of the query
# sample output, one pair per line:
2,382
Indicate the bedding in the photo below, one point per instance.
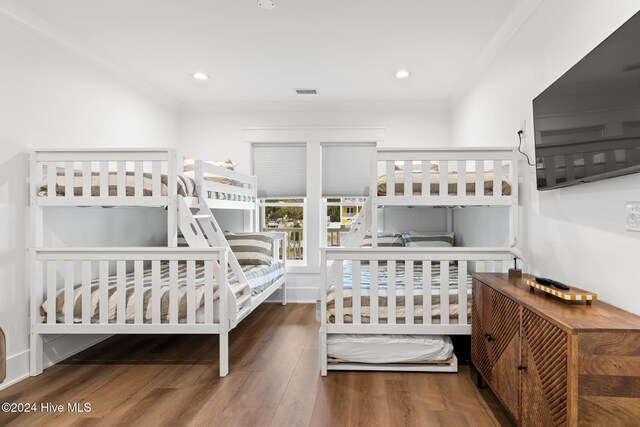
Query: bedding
470,180
418,309
252,248
260,277
189,170
385,240
428,240
389,348
186,186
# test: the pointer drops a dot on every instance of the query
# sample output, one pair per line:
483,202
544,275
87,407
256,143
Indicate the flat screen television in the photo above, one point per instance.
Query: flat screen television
587,123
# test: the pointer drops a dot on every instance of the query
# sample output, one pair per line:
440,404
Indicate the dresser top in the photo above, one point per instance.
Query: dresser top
577,317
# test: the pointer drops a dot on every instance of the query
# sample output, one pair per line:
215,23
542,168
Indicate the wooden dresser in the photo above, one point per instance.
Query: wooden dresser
551,363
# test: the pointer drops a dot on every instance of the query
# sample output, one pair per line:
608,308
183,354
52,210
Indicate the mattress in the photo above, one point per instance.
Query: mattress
383,310
470,183
186,186
389,348
259,277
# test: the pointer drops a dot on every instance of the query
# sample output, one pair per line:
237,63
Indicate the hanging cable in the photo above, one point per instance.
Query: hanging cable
520,149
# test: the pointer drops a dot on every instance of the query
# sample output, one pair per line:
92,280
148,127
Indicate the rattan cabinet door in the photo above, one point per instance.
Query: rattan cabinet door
544,380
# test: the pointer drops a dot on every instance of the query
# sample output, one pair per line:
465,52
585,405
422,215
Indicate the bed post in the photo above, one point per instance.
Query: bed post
172,193
373,195
36,340
285,243
34,273
224,315
323,313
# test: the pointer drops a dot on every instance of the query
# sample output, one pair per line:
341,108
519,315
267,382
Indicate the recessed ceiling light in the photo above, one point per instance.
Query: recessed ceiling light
200,76
267,4
402,74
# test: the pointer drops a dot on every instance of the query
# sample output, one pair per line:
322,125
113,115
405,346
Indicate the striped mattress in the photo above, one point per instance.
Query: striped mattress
260,277
186,186
383,312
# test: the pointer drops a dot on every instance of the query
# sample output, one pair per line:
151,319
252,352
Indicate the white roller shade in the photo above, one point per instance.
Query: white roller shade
346,169
281,169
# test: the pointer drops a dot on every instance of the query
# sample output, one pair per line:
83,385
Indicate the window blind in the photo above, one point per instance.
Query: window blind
346,169
281,169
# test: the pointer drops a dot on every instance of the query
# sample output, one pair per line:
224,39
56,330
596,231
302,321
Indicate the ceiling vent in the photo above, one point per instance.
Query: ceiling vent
307,91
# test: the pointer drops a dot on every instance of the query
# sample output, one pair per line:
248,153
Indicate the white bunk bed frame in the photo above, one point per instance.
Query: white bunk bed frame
470,259
208,246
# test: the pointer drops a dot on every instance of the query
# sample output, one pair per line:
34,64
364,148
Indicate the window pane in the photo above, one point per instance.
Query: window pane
289,219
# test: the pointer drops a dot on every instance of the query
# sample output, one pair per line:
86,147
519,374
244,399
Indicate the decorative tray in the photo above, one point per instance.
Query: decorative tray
572,294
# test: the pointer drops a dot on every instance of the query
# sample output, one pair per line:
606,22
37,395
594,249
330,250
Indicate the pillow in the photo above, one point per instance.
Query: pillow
252,248
417,167
428,240
385,240
188,167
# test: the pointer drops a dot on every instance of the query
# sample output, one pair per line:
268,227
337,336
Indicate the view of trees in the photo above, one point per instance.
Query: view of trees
284,216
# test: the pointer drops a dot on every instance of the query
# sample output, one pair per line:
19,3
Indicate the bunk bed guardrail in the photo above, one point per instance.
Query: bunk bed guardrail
226,181
104,177
452,176
459,176
128,291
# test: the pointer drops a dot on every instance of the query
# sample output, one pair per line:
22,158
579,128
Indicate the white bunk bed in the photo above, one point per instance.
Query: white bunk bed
371,292
196,289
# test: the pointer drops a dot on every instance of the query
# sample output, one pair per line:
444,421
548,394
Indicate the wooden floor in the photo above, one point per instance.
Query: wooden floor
273,380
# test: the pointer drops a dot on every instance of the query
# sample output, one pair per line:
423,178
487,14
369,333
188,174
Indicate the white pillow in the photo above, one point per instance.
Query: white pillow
188,167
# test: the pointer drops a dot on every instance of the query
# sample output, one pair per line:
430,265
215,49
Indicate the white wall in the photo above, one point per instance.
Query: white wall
217,134
51,96
574,234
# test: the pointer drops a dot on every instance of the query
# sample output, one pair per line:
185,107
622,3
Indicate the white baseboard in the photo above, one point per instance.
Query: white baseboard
56,349
17,369
302,295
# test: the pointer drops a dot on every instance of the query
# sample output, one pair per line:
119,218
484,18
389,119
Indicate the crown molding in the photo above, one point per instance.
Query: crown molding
518,16
326,106
21,16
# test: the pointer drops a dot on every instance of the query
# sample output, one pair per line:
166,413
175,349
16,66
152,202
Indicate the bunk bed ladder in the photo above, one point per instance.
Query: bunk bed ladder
356,235
362,224
202,230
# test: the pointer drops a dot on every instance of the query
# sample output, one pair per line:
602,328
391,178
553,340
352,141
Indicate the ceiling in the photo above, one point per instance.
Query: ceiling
347,49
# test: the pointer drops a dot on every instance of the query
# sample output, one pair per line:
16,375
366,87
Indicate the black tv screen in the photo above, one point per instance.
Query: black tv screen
587,123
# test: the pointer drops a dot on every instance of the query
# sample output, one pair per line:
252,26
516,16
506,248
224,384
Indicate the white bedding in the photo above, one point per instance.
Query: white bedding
382,349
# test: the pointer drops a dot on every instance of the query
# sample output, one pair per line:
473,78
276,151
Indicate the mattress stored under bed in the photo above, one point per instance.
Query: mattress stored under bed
418,292
381,349
260,277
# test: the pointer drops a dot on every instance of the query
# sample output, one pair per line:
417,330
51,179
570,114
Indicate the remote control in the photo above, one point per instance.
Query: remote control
551,282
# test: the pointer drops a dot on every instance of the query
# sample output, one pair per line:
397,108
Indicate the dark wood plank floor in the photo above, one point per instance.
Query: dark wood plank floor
273,380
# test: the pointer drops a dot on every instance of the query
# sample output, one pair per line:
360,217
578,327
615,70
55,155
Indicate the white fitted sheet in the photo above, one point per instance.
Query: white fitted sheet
381,349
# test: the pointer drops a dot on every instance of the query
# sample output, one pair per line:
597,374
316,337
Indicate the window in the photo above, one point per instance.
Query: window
281,169
341,212
346,169
286,215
